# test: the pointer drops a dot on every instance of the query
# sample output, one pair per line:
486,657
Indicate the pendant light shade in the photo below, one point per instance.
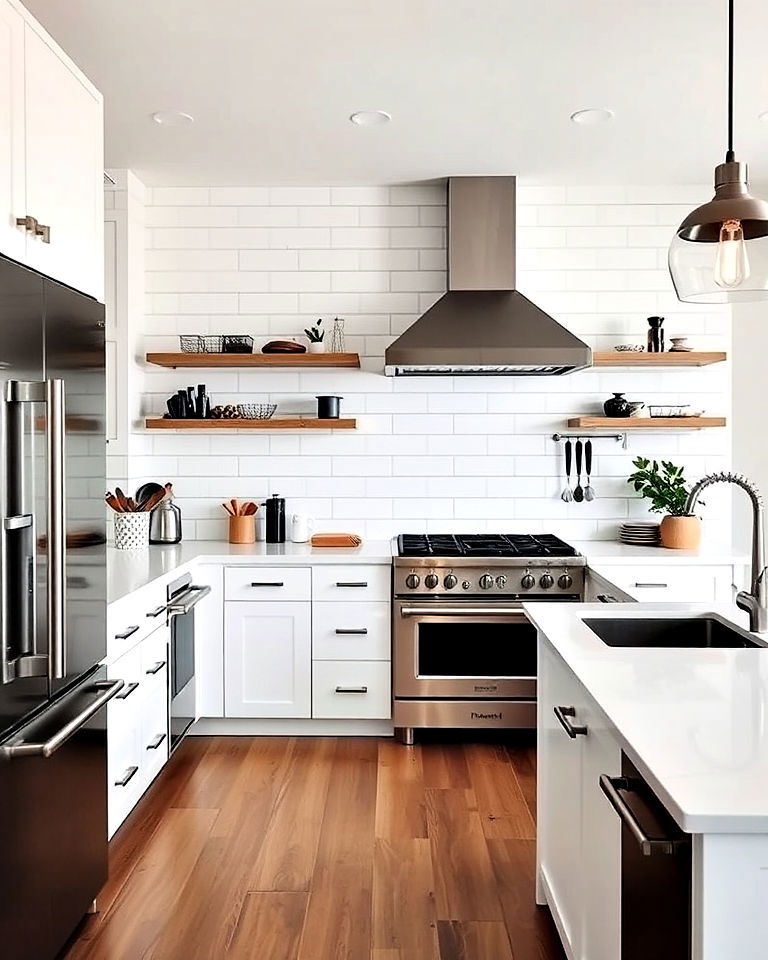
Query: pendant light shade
720,251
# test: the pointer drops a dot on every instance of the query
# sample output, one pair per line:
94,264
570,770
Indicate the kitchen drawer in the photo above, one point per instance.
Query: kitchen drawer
123,708
133,618
267,583
154,733
351,631
154,654
333,683
684,584
351,582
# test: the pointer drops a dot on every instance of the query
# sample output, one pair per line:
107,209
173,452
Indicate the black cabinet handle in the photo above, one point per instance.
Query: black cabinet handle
649,845
358,633
156,742
607,598
158,610
650,586
351,689
129,632
126,778
157,667
573,730
267,583
127,691
361,583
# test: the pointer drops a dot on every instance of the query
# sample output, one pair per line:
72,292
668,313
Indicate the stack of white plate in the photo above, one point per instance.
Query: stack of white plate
644,533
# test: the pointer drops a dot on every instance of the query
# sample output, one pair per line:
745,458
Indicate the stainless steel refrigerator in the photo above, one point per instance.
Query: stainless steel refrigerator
53,693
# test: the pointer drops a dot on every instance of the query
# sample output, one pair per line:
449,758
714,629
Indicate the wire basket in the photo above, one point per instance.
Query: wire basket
256,411
195,343
237,344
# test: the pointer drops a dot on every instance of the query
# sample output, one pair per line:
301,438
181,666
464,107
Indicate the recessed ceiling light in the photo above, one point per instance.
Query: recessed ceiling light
172,118
592,116
370,118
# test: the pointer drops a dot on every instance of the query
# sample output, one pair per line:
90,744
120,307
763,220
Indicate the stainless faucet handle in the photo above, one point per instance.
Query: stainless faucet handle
758,616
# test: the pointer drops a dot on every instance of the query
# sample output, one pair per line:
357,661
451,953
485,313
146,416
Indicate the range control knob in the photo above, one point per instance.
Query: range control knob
465,584
528,582
546,581
412,581
431,581
565,581
450,582
501,582
486,581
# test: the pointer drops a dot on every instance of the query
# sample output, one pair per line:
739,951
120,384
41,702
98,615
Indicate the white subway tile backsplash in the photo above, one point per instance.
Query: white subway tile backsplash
439,454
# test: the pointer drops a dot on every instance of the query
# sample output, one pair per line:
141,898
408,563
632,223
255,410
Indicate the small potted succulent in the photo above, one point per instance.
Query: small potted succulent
316,338
665,486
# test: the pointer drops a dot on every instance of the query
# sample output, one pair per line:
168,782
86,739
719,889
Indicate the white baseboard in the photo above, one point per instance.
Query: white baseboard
245,727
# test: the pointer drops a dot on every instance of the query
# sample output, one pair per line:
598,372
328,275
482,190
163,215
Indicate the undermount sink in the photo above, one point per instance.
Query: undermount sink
669,632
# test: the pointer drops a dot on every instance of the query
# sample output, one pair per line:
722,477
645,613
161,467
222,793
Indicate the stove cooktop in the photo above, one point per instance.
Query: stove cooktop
483,545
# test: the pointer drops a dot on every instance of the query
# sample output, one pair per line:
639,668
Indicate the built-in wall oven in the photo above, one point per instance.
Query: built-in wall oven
183,596
464,651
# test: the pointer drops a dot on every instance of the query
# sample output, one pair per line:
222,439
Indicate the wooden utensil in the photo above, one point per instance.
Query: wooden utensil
122,500
229,509
150,502
113,502
249,509
235,507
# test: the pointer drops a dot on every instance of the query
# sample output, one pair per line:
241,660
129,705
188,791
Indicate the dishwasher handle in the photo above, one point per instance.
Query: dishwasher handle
650,846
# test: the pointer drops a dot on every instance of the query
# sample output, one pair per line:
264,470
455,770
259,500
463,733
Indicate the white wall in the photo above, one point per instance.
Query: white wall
447,454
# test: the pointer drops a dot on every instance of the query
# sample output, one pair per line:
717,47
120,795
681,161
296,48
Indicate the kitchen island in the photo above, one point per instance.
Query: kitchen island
693,724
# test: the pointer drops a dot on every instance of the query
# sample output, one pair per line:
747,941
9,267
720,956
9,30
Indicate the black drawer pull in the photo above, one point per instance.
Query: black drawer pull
267,583
126,691
126,778
352,583
157,667
358,633
572,729
156,742
126,633
650,586
158,610
351,689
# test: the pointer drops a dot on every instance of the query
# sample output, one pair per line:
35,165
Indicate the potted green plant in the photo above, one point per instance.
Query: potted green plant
316,338
665,486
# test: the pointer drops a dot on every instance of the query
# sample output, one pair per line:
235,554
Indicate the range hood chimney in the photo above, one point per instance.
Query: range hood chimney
483,326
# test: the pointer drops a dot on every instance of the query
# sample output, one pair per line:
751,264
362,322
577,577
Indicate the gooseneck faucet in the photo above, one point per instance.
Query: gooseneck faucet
754,600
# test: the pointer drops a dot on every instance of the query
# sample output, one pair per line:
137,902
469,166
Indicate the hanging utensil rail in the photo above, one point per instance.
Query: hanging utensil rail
577,435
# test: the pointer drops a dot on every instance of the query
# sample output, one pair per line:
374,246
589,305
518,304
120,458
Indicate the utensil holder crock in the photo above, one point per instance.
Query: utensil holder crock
242,529
132,531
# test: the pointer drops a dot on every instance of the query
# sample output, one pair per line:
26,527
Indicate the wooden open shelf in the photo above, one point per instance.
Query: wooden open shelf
276,423
614,358
244,360
645,423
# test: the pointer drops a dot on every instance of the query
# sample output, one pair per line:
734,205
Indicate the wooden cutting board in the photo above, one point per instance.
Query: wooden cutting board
336,540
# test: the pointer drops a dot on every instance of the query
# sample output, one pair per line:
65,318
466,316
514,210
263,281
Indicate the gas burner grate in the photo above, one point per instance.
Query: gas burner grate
483,545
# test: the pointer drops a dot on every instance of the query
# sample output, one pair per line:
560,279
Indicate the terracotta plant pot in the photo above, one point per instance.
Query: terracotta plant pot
242,529
681,533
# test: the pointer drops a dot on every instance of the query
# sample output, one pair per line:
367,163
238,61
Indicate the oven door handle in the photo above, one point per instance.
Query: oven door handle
462,612
180,606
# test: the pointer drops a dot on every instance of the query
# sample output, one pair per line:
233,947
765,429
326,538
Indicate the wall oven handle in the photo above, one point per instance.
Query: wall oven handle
649,845
107,689
572,729
181,606
438,611
57,593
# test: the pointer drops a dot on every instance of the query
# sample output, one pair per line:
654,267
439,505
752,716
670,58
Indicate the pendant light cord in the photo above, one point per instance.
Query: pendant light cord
730,156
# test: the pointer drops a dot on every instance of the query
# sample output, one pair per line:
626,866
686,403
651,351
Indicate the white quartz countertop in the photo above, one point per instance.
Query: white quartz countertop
694,721
611,552
128,570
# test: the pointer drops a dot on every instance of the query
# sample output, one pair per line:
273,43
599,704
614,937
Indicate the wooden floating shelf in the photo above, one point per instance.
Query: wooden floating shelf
240,360
276,423
645,423
615,358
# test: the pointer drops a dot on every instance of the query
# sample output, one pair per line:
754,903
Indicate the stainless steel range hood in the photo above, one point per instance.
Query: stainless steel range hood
483,326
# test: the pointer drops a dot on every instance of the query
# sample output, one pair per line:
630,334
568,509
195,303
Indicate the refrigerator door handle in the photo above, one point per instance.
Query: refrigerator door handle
106,689
57,592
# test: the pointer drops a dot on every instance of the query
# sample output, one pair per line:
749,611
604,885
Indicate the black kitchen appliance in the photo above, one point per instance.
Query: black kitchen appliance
275,519
53,693
183,596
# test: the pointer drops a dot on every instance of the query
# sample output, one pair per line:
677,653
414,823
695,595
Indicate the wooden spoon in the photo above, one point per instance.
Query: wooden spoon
236,506
249,509
122,500
113,502
229,509
150,502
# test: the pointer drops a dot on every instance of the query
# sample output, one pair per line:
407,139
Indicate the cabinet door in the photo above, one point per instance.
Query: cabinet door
267,660
12,239
559,792
601,841
64,169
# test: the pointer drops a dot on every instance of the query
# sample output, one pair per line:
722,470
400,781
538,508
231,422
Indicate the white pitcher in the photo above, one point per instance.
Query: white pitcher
301,528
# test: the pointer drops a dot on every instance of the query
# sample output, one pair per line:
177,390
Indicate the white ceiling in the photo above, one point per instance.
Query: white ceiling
474,86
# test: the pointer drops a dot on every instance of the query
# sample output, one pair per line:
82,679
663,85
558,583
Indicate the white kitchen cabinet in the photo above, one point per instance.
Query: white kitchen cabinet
267,658
12,240
350,582
351,689
51,157
267,583
579,837
674,583
351,631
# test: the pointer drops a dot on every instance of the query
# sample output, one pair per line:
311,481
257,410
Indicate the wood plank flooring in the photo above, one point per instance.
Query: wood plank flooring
277,848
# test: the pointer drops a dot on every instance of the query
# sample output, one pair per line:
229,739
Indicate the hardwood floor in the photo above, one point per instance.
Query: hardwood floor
328,849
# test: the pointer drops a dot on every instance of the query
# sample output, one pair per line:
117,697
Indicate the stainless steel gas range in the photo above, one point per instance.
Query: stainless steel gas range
464,652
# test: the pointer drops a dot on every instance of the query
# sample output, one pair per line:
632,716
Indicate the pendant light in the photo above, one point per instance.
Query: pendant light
720,251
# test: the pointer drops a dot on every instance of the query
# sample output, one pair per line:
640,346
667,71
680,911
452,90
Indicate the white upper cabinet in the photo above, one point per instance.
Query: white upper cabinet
51,158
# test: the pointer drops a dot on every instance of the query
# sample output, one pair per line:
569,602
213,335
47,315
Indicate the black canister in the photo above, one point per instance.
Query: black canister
328,408
617,406
656,335
276,519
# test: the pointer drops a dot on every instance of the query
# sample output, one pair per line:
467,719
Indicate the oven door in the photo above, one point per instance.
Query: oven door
183,688
473,650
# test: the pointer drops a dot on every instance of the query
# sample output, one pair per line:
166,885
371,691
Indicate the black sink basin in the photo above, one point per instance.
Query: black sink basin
671,632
